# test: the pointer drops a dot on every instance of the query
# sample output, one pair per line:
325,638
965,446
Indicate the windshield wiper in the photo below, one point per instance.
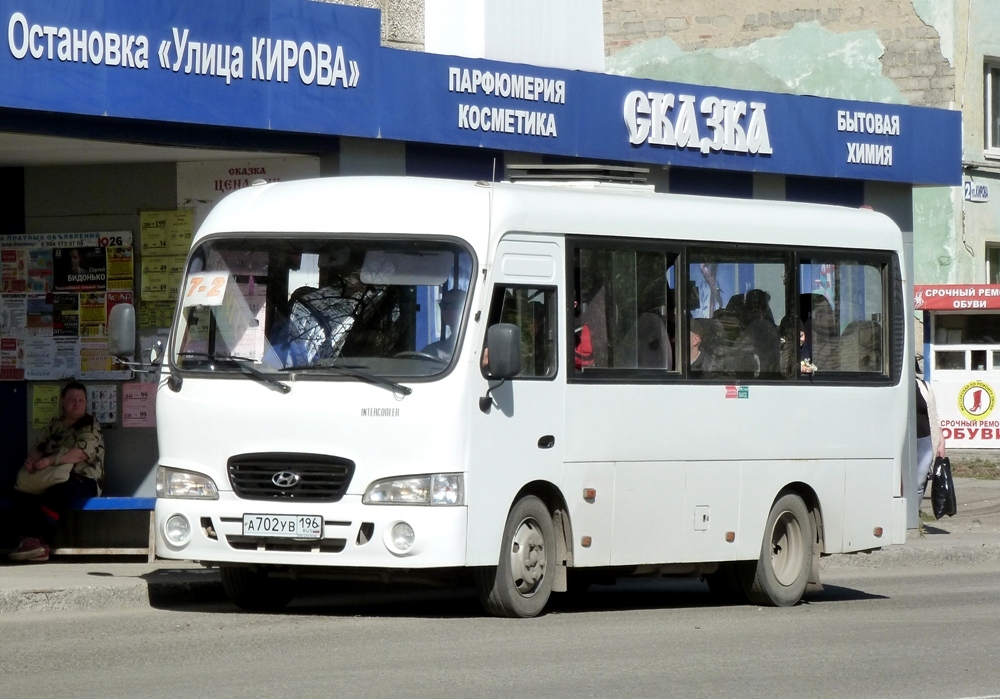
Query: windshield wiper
242,364
354,372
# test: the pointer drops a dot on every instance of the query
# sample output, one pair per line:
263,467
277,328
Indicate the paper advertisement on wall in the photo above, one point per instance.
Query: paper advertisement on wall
968,412
139,405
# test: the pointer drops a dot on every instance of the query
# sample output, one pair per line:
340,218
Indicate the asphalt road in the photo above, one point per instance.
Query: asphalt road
898,633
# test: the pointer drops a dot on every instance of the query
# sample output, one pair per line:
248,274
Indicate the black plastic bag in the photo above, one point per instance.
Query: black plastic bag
943,488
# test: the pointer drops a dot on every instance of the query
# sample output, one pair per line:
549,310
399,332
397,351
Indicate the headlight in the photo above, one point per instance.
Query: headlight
432,489
172,483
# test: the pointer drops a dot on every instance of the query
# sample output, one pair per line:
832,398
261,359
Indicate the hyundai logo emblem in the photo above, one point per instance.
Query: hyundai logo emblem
286,479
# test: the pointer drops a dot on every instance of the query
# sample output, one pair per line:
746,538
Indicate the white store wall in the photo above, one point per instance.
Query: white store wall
555,33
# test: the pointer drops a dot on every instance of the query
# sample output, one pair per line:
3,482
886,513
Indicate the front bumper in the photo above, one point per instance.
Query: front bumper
354,534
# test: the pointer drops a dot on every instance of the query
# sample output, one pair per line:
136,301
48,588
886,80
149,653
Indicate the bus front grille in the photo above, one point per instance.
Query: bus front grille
283,476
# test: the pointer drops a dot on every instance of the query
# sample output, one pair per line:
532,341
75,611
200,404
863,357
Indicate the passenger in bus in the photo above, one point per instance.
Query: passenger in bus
806,365
583,351
822,334
451,305
295,332
702,333
654,350
758,344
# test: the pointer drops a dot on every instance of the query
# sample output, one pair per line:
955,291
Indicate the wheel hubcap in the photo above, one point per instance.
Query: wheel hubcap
527,557
787,548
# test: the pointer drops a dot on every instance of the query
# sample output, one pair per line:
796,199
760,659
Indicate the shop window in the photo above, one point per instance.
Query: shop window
949,361
991,106
962,329
993,264
978,360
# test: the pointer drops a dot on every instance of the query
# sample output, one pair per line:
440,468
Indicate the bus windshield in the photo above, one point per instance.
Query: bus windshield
322,306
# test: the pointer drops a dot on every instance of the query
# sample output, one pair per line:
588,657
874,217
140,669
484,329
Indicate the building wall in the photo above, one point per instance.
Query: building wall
911,53
94,198
402,21
978,22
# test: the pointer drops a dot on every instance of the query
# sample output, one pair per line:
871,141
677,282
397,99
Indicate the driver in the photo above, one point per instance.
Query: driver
451,304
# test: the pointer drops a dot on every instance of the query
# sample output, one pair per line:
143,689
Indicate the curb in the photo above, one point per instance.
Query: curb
156,593
904,556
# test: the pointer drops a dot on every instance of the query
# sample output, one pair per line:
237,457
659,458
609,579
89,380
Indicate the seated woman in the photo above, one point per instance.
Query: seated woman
72,438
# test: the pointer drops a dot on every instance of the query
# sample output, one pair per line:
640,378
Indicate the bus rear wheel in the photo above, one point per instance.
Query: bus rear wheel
521,583
254,590
781,574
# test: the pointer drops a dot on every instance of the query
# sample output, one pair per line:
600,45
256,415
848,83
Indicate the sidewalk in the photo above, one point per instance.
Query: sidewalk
68,584
972,537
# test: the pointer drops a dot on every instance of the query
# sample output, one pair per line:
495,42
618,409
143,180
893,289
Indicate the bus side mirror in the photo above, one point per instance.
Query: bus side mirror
121,331
503,341
503,347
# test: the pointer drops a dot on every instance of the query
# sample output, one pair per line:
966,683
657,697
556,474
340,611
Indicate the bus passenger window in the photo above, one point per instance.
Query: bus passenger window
534,311
841,309
624,309
733,302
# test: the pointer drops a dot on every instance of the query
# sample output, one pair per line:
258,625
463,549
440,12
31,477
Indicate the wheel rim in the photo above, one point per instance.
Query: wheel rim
787,547
527,557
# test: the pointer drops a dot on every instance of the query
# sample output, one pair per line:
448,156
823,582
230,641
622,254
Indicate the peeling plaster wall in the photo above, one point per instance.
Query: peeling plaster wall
806,60
911,54
934,237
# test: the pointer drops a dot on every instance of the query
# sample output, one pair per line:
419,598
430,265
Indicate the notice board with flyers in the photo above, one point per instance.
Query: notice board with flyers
56,291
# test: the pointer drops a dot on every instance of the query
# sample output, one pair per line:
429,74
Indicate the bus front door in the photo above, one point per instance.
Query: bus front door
517,440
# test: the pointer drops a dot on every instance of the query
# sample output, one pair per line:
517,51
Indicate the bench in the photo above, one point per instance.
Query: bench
106,503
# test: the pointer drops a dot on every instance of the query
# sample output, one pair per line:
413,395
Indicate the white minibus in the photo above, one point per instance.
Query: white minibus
529,388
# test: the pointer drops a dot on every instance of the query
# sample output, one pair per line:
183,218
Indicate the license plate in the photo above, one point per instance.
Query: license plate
283,526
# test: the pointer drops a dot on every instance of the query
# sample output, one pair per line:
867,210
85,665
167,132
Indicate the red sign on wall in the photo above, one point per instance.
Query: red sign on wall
956,297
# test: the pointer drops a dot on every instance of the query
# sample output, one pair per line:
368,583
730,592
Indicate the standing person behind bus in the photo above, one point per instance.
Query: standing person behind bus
930,438
74,437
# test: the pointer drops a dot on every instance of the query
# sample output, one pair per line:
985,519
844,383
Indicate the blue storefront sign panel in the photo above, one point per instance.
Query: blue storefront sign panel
316,68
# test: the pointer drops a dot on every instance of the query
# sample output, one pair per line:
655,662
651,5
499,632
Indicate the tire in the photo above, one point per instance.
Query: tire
520,585
254,591
780,577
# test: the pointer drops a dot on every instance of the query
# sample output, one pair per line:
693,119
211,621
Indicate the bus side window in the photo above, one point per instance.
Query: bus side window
534,311
842,305
625,309
741,293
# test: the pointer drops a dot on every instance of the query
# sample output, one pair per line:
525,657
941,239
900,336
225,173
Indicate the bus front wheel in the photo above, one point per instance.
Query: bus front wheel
521,583
780,576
